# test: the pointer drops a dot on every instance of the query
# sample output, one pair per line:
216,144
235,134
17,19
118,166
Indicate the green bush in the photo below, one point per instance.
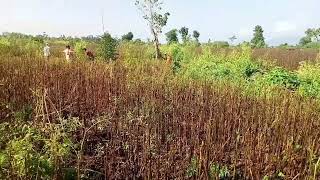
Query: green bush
107,47
236,66
312,45
33,153
177,54
282,78
79,49
310,82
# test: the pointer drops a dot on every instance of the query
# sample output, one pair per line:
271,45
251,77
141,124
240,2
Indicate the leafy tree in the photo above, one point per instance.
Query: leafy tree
305,40
312,36
151,10
258,38
172,36
196,35
127,37
313,33
232,39
184,32
107,47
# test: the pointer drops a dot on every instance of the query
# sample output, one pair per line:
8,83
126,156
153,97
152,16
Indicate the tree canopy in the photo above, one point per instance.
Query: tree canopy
172,36
184,32
258,40
127,37
152,13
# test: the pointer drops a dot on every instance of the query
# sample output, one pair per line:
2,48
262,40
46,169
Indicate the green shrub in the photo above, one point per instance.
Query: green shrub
310,82
236,66
282,78
177,54
220,172
107,47
79,49
192,170
33,152
219,44
312,45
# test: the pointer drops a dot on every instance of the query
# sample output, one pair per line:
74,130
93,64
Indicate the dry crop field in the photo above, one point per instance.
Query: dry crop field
122,120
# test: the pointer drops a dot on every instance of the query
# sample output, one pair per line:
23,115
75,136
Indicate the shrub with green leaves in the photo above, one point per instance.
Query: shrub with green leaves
79,49
310,83
282,78
177,54
192,170
29,153
107,47
219,172
234,67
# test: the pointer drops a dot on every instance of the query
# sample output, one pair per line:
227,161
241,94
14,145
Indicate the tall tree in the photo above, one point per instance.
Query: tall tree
151,10
184,32
172,36
196,35
258,38
127,37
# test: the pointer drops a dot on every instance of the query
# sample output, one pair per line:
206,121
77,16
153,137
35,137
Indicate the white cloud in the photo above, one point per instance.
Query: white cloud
284,26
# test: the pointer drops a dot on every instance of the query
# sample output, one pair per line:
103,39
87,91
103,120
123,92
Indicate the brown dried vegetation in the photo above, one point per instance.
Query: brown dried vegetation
153,124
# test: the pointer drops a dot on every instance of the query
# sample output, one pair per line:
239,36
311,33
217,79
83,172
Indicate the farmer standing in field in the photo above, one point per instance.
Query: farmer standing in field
89,54
68,53
46,51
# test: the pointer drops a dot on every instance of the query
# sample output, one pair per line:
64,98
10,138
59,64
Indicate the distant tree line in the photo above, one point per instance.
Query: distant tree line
172,36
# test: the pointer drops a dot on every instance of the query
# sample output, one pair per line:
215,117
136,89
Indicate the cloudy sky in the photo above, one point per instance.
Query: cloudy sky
282,20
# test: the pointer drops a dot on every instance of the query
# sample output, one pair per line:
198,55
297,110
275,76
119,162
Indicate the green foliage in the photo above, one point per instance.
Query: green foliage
184,32
258,39
107,47
135,53
192,170
177,54
282,78
305,40
236,67
151,10
313,34
172,36
79,49
277,176
311,38
310,83
219,172
34,153
232,38
127,37
26,46
220,44
196,35
312,45
25,114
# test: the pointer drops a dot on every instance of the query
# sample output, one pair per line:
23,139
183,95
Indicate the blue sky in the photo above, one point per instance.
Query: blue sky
282,20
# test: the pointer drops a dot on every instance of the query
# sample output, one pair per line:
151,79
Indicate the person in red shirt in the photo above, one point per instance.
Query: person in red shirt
89,54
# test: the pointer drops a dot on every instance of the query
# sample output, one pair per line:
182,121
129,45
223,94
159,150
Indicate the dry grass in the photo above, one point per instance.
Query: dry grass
288,58
153,124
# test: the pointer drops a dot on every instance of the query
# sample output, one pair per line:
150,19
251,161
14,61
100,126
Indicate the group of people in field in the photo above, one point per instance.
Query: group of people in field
68,52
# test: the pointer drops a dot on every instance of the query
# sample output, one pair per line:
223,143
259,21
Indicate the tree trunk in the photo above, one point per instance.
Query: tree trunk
155,41
157,48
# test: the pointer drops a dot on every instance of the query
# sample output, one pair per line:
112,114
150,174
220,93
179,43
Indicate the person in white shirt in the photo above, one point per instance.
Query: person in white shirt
46,51
68,53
